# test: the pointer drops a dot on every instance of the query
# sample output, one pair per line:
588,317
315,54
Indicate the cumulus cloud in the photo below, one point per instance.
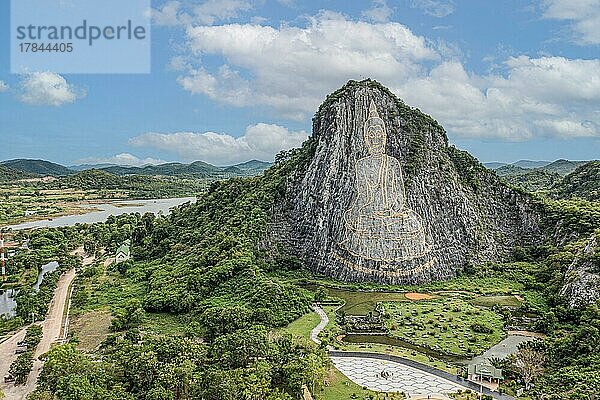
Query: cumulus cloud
434,8
291,67
174,12
584,16
3,86
260,141
380,12
542,96
124,159
47,88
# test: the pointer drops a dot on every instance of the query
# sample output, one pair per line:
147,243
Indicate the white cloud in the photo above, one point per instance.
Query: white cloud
434,8
47,88
584,16
170,14
125,159
260,141
380,12
543,96
3,86
290,68
174,12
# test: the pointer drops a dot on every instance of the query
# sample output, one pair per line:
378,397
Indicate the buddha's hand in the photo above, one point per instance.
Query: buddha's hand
383,214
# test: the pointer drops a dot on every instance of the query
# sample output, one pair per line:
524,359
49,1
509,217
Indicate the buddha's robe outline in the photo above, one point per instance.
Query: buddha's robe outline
378,225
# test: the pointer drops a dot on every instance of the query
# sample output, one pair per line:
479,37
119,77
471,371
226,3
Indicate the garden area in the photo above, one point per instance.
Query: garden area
451,326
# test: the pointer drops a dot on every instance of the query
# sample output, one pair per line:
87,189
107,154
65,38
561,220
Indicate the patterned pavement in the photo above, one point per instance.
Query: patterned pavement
398,378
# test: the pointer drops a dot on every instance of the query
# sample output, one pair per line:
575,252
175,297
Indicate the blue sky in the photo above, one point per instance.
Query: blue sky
233,80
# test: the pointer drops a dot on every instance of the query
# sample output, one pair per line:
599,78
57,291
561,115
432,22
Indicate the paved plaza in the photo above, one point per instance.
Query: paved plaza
389,376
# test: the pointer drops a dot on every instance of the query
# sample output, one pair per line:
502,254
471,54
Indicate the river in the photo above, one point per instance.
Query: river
101,212
98,213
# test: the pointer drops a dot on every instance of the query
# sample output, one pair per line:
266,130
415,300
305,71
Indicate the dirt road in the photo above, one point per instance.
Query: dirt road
51,328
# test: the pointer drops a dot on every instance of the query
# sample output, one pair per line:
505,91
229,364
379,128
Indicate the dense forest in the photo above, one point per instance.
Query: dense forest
204,264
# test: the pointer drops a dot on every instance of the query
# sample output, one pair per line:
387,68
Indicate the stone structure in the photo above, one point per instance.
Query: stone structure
383,197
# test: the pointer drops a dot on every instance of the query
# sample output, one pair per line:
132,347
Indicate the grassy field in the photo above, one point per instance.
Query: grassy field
303,325
361,303
490,301
90,328
338,387
449,325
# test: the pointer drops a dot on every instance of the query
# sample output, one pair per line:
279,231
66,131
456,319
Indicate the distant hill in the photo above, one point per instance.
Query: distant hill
494,164
531,164
39,167
582,183
84,167
197,169
563,167
253,165
539,178
511,170
533,180
138,186
8,174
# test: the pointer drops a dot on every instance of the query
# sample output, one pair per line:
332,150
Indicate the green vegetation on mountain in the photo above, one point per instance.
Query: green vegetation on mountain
583,183
532,180
8,174
137,186
38,167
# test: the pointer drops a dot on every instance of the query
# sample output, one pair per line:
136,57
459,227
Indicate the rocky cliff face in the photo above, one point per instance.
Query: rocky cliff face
582,280
384,198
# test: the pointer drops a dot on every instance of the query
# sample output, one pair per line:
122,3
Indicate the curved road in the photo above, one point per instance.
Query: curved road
52,328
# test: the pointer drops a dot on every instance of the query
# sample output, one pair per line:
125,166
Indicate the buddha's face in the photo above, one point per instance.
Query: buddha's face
375,140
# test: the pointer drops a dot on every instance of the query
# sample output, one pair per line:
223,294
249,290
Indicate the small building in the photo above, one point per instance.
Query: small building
123,252
477,372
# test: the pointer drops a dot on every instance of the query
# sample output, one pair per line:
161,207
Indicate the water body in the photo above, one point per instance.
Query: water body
7,297
101,212
500,350
50,267
8,303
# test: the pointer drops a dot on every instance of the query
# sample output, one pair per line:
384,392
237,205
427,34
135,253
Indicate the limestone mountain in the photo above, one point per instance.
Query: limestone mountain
383,197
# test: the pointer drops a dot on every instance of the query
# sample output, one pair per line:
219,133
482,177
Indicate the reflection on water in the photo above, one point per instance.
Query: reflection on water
7,302
500,350
51,266
158,206
392,341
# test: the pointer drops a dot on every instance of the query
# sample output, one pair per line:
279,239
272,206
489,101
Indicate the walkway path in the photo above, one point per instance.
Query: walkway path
317,329
52,327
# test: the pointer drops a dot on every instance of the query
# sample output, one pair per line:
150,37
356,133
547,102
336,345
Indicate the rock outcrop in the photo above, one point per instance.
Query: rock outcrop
581,285
383,197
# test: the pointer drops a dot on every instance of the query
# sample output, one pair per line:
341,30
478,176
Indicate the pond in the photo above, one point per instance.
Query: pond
7,297
500,350
101,212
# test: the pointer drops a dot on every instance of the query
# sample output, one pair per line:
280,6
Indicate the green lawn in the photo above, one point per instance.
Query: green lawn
361,303
303,325
490,301
447,325
339,387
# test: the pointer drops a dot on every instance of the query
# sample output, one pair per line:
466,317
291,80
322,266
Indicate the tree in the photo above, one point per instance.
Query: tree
21,367
529,361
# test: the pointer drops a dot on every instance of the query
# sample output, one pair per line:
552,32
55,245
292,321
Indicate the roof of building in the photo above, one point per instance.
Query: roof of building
124,248
485,369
